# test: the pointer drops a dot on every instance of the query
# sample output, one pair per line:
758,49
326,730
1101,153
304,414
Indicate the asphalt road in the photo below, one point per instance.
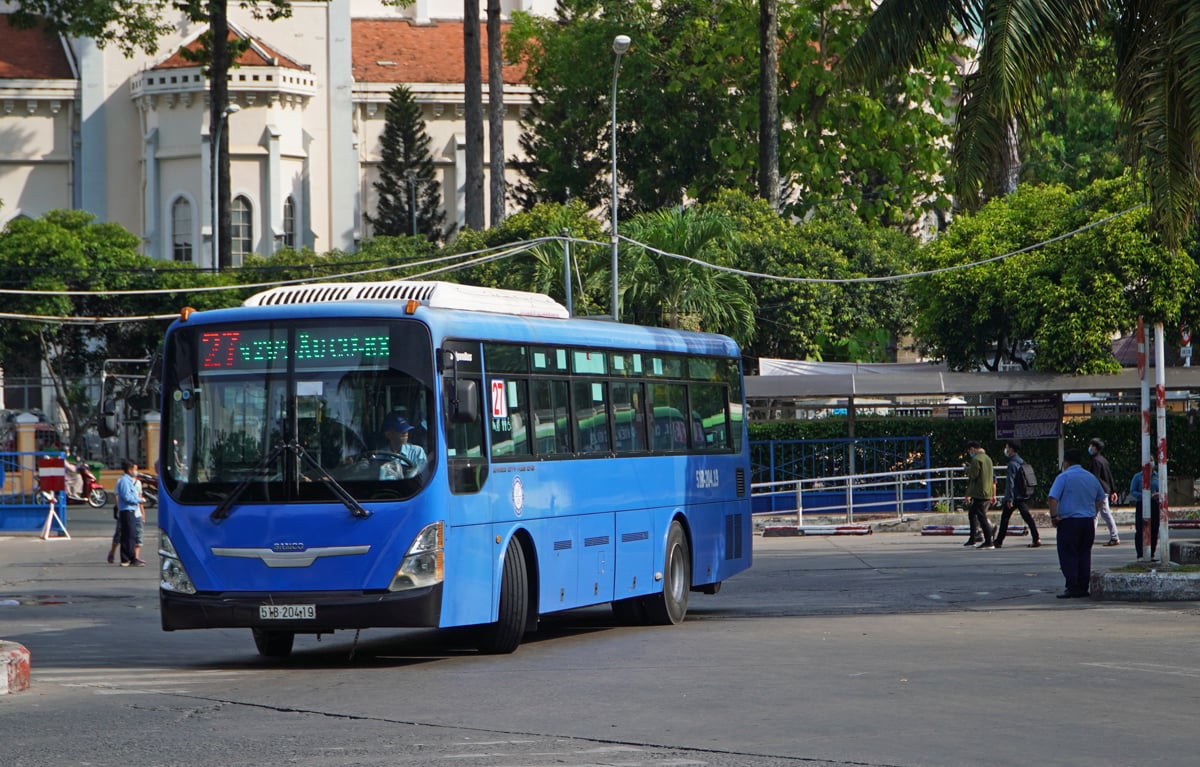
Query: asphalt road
890,649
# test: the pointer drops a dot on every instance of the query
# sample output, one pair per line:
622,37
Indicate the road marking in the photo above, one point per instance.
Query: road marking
1149,668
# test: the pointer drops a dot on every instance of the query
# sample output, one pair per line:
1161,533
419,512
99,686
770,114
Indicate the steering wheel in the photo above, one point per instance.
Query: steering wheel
386,456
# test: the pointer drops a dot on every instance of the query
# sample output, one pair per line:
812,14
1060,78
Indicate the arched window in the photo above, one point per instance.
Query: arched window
181,230
289,222
241,230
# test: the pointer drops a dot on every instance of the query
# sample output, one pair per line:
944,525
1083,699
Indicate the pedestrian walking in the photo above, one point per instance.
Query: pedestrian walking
980,494
1139,521
1075,499
129,514
1103,471
1017,492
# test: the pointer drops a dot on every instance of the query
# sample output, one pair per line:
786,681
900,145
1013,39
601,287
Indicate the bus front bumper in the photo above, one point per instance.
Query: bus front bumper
415,608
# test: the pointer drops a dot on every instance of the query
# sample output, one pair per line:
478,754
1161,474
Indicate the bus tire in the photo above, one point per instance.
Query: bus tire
273,644
669,607
505,634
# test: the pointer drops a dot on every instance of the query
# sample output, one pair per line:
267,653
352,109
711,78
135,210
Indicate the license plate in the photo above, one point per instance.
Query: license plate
287,612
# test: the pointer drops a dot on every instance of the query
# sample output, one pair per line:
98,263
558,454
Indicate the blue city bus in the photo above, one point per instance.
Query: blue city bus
424,454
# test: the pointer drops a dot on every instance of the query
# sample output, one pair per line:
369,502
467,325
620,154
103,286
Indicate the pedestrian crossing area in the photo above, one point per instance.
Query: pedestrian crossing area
136,681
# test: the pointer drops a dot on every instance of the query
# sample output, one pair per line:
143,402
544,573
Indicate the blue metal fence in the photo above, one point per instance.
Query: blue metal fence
775,461
20,506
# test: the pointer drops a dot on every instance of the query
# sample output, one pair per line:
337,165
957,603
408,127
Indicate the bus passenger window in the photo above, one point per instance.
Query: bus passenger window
668,402
629,420
509,418
550,417
591,417
708,413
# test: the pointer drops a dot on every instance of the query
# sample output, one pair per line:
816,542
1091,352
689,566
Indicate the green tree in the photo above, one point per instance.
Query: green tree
1065,299
408,189
68,251
671,292
1020,45
689,109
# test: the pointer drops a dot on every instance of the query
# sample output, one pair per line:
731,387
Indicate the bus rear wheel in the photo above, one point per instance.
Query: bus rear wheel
273,644
669,607
505,634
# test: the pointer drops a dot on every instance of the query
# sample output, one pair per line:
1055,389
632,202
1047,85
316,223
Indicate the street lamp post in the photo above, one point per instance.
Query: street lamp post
216,180
620,44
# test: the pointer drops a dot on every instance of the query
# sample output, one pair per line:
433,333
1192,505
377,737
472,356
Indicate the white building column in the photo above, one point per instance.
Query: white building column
272,198
153,240
343,157
93,134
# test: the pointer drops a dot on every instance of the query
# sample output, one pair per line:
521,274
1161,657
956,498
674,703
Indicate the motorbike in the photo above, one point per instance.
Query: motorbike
149,488
93,493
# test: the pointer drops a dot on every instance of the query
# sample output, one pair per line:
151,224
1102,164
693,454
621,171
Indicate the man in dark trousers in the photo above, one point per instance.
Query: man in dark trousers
1103,472
981,493
1075,499
1016,496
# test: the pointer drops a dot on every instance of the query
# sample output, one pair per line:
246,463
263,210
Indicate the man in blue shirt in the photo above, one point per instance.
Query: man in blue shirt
1075,498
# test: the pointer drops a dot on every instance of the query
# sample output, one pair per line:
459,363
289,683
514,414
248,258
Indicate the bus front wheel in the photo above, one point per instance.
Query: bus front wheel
670,606
505,634
273,644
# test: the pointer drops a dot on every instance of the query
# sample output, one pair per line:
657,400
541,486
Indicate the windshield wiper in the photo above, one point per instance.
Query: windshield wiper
224,508
342,493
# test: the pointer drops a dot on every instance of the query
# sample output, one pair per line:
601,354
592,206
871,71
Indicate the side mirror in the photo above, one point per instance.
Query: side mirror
465,406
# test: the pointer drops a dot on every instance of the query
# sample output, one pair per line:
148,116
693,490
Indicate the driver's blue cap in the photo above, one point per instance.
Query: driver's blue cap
395,423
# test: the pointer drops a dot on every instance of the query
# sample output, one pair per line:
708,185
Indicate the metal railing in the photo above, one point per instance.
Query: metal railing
892,492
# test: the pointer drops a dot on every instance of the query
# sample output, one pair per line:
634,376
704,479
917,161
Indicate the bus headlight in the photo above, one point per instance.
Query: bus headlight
171,573
422,565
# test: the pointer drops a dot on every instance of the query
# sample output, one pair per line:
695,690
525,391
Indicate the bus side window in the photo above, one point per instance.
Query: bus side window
591,417
550,414
466,461
629,420
668,402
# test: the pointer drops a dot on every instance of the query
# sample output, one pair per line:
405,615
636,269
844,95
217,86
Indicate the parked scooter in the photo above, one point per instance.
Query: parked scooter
91,491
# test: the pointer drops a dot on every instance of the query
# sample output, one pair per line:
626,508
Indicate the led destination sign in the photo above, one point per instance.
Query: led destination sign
263,348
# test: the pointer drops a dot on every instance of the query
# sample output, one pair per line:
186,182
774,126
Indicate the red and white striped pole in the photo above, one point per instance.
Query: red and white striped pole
1144,381
1160,386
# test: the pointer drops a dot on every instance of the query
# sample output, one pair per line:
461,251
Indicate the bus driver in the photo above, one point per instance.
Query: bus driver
409,459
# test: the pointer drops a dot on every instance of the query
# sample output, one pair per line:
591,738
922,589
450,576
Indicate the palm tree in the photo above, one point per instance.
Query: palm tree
1019,42
676,293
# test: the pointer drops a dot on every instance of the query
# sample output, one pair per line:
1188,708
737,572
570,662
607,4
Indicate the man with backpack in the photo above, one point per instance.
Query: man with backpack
1018,489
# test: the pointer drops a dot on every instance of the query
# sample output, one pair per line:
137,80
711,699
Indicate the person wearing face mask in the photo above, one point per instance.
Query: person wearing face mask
1103,471
1016,496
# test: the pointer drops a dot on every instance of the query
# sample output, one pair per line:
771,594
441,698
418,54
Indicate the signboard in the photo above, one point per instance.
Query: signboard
1029,417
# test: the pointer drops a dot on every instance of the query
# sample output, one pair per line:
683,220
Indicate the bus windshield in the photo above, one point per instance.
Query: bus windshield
283,411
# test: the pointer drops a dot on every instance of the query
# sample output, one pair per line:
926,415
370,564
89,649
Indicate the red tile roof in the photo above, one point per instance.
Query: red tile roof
259,54
396,50
32,54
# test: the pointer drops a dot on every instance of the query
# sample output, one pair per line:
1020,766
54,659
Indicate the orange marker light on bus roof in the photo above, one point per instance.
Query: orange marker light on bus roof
411,306
186,313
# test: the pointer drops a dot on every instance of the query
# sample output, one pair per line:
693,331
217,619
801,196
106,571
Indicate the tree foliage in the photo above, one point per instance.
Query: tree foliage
409,193
1067,298
688,117
68,251
1022,45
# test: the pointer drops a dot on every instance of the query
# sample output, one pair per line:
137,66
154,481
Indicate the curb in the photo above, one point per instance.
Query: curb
1146,587
15,659
786,531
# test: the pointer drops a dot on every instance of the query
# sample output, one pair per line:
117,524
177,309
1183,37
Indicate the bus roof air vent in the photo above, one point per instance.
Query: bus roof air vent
436,295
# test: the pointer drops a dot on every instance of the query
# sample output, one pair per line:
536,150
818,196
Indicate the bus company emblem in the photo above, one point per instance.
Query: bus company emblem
518,495
284,546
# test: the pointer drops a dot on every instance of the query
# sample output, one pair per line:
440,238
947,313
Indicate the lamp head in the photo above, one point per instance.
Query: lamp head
620,44
230,109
